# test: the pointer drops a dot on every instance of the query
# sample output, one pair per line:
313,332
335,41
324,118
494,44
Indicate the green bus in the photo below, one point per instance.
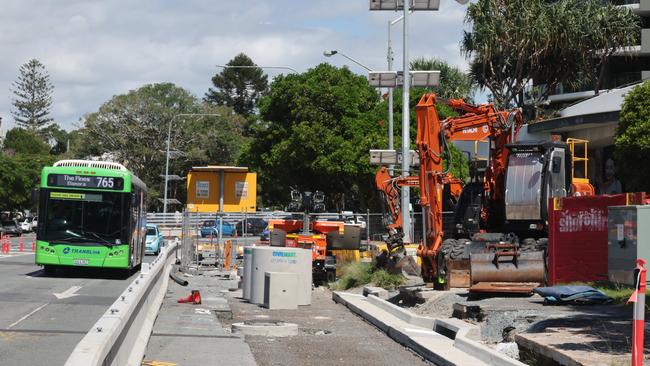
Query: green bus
91,214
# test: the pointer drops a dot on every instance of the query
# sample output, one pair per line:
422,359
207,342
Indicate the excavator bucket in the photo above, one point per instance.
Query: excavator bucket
398,263
503,269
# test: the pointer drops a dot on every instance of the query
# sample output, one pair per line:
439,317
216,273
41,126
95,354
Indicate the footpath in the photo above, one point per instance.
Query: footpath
188,334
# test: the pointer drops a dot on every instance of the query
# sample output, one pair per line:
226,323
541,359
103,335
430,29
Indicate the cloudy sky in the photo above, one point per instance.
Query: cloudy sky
96,49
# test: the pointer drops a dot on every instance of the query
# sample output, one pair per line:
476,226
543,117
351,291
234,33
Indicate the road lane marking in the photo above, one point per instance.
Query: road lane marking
14,255
26,316
67,293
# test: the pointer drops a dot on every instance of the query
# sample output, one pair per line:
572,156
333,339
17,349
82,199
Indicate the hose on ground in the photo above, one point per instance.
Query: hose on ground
177,279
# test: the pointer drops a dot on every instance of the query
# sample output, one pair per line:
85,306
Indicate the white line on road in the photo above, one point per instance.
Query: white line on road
14,255
26,316
67,293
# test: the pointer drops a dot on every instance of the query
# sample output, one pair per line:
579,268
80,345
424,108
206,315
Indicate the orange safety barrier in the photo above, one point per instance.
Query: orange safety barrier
638,326
226,255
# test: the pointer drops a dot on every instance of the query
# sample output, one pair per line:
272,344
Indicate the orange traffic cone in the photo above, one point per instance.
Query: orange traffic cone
194,298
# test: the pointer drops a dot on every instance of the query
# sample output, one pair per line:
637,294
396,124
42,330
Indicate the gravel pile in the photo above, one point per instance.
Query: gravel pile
441,304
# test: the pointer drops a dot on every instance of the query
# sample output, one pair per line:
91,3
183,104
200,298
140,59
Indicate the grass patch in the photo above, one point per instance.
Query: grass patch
381,278
353,275
357,274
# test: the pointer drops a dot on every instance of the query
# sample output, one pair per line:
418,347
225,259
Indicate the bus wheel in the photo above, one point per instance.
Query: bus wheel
49,270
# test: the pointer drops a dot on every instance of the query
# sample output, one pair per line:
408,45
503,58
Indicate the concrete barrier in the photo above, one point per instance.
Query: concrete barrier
120,336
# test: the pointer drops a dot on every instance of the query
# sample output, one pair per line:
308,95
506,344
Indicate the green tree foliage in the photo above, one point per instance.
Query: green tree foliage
238,88
24,155
24,142
19,174
32,97
132,128
566,41
632,141
317,130
454,83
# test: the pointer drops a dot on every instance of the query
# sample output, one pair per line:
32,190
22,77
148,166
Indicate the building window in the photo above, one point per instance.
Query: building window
202,189
241,190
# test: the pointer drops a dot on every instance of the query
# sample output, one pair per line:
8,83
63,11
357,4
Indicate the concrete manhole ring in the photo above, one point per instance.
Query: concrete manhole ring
317,332
266,328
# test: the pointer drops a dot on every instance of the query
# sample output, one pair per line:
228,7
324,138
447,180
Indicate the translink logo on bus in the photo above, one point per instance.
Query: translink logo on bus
68,250
283,254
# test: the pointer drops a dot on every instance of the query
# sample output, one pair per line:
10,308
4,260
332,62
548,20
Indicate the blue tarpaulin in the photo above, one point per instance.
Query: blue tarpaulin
572,295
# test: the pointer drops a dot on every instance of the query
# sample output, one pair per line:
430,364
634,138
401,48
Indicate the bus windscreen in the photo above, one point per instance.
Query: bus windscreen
84,217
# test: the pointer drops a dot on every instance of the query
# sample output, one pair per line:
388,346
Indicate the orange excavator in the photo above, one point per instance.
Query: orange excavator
517,182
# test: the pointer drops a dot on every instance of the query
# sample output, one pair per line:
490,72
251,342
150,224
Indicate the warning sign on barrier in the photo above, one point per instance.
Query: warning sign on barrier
577,242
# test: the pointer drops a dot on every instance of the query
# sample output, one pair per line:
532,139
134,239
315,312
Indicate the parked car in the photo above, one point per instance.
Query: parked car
26,224
254,226
154,241
265,237
11,227
211,227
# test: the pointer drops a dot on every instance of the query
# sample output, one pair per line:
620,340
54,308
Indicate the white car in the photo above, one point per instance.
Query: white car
26,225
34,222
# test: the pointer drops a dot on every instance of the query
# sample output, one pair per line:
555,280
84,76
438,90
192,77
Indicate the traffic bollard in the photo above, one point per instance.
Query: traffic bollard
638,298
34,245
22,243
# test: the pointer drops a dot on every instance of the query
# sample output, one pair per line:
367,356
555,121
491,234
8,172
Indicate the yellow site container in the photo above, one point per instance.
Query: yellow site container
210,186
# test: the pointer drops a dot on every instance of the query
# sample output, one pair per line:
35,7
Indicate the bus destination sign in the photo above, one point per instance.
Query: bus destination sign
85,181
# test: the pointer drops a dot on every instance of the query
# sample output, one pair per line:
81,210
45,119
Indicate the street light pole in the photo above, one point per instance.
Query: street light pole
169,134
390,95
406,6
335,52
406,220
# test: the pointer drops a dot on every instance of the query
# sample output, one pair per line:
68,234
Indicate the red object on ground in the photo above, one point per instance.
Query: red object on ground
22,243
638,325
194,298
577,236
34,245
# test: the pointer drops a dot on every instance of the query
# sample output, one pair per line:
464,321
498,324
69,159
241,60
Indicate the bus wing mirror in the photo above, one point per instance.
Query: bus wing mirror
35,195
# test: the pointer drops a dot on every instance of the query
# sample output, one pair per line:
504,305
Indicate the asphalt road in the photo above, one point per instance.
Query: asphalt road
43,318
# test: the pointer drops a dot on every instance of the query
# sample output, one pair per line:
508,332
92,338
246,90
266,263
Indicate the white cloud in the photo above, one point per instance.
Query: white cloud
97,49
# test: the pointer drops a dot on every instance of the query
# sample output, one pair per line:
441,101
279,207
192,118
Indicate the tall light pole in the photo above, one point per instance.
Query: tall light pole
335,52
390,90
406,126
169,134
406,6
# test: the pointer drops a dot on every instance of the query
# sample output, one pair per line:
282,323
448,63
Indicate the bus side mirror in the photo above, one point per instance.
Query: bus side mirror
35,195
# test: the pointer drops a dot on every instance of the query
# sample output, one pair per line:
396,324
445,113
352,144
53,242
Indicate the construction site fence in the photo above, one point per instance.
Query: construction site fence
373,225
